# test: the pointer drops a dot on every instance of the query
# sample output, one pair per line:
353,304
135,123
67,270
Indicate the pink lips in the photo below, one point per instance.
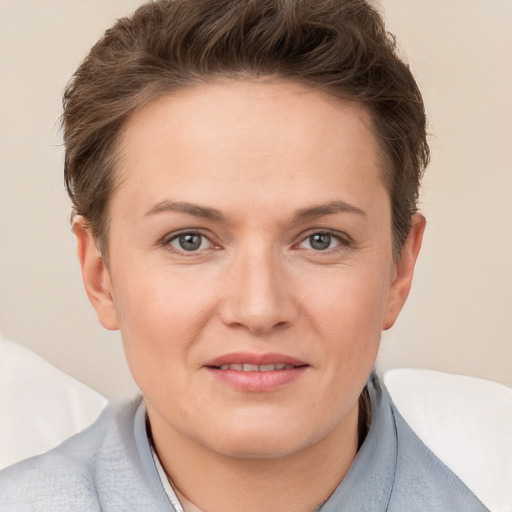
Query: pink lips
256,372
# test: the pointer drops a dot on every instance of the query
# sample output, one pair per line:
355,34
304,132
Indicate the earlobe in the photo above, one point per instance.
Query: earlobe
95,275
404,270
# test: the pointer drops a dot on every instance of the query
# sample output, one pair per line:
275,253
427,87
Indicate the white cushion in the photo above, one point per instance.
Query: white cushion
466,422
40,405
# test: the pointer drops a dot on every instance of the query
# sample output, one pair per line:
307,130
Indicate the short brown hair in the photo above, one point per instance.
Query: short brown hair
339,46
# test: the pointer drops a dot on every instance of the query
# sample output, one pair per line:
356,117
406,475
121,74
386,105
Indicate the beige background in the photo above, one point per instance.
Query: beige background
459,315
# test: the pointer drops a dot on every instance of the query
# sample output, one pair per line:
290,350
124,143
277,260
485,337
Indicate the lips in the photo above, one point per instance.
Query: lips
247,367
256,372
250,362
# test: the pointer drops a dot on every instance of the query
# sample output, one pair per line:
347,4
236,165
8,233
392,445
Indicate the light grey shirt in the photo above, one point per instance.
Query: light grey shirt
109,467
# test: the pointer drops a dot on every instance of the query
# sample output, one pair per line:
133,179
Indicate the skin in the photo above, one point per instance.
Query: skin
278,162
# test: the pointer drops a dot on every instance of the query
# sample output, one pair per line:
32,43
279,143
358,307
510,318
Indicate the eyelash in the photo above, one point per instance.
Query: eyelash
343,242
166,242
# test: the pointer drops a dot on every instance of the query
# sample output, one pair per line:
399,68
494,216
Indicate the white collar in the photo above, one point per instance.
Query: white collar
175,502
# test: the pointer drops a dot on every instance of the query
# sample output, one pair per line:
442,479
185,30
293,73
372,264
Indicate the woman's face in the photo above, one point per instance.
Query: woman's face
250,264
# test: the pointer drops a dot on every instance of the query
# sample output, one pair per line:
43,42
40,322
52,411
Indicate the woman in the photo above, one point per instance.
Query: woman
244,177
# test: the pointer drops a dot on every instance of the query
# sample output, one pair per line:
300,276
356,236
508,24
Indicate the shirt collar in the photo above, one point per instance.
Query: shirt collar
369,482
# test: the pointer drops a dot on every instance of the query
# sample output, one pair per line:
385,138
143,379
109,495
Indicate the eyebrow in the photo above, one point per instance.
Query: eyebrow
215,215
183,207
327,209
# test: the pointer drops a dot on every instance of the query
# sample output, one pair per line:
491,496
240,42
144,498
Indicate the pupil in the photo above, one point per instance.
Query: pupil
190,242
320,241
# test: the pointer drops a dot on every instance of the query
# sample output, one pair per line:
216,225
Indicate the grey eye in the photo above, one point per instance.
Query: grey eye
320,241
189,242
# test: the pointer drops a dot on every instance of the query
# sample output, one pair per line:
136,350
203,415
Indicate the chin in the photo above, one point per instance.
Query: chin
257,445
265,440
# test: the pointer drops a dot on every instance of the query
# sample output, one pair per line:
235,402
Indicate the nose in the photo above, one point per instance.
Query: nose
259,294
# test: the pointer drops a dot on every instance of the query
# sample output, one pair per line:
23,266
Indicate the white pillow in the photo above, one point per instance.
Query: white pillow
466,422
40,405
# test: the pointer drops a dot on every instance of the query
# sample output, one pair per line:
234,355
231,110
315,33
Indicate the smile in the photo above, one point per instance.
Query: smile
256,373
247,367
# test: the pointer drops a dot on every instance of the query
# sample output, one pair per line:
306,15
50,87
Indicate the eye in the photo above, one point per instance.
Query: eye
189,242
321,241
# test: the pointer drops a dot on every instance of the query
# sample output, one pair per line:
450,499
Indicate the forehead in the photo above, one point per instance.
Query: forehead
217,136
249,107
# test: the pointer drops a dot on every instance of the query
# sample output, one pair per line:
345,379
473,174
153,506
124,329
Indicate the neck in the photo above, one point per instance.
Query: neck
300,482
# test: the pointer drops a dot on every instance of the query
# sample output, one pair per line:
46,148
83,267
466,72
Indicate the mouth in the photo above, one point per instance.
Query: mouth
250,362
256,372
248,367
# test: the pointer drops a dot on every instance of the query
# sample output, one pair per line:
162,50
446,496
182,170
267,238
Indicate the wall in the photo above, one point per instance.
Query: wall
459,315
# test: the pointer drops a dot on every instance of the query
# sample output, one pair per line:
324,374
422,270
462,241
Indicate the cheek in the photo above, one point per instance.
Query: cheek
159,296
348,316
159,316
354,299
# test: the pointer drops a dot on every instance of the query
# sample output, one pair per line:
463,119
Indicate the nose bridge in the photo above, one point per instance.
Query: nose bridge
258,297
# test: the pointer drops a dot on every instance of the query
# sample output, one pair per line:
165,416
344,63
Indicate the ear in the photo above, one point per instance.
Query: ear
95,275
403,271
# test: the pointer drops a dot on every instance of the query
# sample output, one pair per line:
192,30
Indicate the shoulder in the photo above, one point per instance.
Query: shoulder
65,478
422,480
465,421
395,471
